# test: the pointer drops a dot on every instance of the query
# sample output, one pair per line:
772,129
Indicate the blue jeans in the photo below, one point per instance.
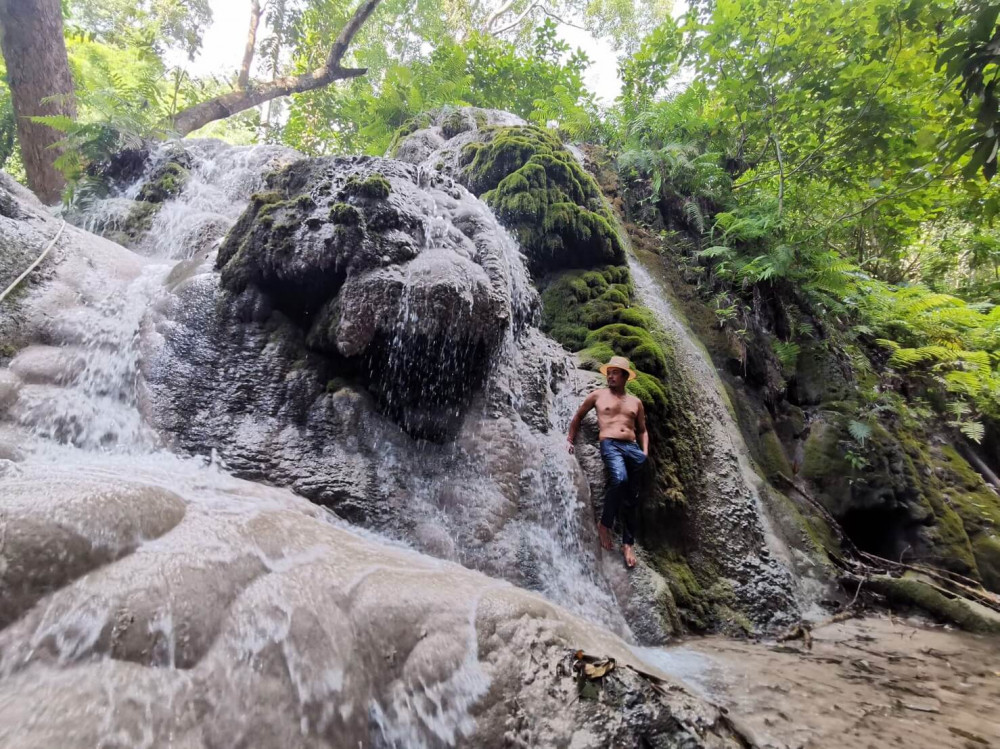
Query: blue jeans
623,460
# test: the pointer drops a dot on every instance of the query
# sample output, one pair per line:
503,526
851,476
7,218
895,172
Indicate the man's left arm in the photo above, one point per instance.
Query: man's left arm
641,434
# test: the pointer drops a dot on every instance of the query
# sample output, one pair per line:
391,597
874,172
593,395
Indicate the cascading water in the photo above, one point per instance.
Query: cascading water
734,523
208,608
85,447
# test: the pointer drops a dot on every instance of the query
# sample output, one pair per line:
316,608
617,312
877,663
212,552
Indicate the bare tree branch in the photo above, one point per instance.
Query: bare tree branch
501,11
258,92
517,21
244,78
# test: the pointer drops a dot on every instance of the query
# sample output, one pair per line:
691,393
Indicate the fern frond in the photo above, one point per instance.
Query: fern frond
974,430
859,430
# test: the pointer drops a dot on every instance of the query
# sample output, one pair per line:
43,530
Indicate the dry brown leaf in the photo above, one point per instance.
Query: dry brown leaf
599,669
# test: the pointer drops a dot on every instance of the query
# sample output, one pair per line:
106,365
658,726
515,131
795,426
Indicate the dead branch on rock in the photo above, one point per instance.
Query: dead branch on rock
859,566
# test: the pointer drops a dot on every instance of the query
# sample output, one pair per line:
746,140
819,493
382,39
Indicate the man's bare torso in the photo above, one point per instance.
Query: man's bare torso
617,414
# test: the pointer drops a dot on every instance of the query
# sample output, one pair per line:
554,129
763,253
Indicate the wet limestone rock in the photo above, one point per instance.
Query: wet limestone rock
542,193
229,609
396,271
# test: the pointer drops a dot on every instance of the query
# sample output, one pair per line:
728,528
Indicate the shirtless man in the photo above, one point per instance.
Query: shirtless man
622,421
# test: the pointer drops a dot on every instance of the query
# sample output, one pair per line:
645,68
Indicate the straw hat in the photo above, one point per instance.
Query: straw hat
619,362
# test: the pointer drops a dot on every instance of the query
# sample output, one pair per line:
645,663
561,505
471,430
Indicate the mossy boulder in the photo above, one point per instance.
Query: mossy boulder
538,190
166,182
697,604
909,497
132,220
339,246
819,377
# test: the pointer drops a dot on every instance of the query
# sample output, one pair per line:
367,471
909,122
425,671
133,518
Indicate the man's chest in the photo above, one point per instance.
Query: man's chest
613,407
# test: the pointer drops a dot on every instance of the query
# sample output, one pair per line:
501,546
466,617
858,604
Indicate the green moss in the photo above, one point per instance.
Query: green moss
772,456
986,549
694,601
541,193
456,122
344,214
259,199
374,186
819,378
136,224
909,591
410,126
166,184
823,457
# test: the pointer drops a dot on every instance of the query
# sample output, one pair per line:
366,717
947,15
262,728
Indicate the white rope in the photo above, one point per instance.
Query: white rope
34,264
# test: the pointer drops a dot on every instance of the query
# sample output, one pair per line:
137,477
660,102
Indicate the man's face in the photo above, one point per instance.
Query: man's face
616,377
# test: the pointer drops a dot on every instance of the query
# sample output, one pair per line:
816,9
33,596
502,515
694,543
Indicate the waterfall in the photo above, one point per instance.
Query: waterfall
736,530
215,589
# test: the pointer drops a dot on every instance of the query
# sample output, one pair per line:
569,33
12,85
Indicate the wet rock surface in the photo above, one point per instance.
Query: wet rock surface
243,615
398,272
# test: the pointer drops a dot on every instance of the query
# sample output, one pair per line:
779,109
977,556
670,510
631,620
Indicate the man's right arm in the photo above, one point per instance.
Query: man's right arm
574,425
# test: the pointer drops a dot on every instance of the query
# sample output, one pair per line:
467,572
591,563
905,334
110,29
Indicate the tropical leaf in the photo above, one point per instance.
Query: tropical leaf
859,430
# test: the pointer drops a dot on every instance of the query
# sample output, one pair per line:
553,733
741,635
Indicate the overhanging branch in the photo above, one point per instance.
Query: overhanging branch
257,92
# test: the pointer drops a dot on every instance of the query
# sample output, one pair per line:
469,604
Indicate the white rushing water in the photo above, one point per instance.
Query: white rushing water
87,456
233,588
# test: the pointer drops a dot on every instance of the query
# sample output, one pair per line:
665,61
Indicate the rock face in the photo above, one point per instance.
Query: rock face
903,491
275,386
220,612
148,598
713,556
397,273
357,308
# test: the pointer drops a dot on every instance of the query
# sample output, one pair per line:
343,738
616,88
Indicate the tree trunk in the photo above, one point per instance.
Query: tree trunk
258,92
244,78
31,37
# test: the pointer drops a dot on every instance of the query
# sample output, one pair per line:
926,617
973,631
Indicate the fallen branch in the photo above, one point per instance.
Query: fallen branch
862,564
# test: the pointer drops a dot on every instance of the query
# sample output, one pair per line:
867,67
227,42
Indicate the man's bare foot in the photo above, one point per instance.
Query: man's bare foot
629,555
605,534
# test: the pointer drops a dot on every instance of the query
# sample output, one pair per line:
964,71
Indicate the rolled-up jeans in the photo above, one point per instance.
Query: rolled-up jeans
623,459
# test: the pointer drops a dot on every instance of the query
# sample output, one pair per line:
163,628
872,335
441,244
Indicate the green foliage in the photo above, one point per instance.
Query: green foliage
972,53
541,81
124,94
150,24
374,186
829,155
949,345
860,431
787,353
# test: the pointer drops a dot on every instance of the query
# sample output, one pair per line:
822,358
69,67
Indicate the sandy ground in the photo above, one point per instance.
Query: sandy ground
869,683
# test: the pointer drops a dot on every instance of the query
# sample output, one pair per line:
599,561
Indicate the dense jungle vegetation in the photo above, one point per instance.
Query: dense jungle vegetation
826,167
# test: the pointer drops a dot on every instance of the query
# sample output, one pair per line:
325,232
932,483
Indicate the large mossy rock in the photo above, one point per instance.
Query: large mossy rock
556,210
912,497
407,283
532,181
541,192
